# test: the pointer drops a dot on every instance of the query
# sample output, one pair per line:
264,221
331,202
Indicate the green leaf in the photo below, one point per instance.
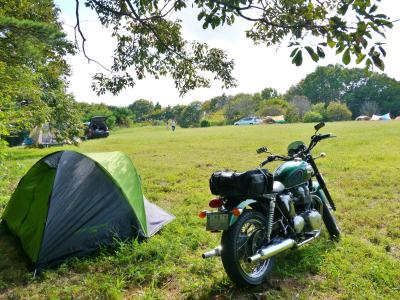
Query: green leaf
360,58
364,42
294,52
346,56
320,52
298,58
201,15
378,62
312,53
331,44
340,48
343,9
382,51
373,8
380,16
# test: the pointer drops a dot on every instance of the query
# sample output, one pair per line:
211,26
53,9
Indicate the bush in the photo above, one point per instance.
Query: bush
158,123
312,117
205,123
320,108
292,115
219,122
337,111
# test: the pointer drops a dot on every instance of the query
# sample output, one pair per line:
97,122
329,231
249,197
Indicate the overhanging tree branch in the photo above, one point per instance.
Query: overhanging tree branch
78,28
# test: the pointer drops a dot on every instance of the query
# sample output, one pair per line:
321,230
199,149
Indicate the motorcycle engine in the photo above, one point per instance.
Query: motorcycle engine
313,220
307,221
298,205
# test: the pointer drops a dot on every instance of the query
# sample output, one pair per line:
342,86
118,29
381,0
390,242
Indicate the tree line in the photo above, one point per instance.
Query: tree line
331,93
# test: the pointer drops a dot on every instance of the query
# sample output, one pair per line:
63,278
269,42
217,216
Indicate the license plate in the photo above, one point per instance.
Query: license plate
217,221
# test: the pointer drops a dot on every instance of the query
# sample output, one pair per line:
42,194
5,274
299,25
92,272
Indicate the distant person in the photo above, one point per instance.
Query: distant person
167,125
173,124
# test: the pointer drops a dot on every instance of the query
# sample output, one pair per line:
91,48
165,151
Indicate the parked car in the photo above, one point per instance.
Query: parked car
248,121
96,128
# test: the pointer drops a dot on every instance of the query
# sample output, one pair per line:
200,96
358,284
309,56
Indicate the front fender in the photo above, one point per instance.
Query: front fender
319,192
241,205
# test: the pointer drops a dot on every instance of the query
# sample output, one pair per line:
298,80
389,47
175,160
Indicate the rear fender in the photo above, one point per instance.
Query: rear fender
241,205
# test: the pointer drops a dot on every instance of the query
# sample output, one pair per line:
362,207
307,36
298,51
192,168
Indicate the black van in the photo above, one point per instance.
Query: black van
97,128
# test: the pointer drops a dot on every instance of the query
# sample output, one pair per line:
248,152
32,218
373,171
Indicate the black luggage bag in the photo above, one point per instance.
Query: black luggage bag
233,185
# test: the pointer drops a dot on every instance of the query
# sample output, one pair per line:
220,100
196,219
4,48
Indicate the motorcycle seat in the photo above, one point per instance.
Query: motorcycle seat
278,187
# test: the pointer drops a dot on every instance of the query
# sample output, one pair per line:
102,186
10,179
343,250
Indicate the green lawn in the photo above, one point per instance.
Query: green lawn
362,169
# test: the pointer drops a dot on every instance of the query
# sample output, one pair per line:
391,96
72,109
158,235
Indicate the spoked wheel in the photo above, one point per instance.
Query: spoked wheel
241,241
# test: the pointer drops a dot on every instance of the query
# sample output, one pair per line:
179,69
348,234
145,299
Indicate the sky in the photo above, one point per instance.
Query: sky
256,66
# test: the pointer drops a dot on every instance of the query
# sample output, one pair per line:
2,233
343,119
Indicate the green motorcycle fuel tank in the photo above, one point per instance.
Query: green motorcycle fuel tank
293,173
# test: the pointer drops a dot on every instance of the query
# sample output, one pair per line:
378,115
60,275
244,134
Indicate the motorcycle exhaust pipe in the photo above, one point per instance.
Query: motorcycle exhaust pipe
271,250
211,253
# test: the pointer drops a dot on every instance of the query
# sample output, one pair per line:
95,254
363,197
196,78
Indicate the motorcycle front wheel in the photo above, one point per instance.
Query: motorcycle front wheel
330,222
241,241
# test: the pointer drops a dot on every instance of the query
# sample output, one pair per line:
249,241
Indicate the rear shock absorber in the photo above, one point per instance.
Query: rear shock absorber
272,204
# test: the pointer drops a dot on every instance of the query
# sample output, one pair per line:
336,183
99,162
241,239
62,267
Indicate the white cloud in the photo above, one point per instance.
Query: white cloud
257,67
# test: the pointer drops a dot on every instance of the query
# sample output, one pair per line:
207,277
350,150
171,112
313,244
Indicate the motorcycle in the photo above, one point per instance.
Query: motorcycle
262,214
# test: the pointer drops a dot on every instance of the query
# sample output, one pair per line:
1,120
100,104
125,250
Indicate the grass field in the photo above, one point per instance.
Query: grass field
362,170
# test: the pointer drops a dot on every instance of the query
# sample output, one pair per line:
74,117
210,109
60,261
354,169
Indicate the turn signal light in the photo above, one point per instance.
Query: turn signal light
202,214
236,212
215,203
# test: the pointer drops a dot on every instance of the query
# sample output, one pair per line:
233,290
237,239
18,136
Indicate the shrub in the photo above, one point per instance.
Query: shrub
157,123
320,108
337,111
292,115
220,122
312,117
205,123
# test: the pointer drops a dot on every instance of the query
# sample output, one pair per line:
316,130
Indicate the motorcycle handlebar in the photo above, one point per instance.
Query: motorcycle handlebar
314,140
326,136
272,158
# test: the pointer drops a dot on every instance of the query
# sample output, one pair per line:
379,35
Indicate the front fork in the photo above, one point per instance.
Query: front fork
321,182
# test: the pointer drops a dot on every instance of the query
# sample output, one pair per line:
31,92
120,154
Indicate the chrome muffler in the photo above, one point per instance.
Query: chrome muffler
211,253
271,250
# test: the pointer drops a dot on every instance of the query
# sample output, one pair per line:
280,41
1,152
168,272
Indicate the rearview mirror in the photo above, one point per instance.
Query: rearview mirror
319,126
262,150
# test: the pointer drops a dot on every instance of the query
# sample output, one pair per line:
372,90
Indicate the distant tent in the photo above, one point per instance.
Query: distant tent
384,117
68,204
268,120
43,136
274,119
279,119
363,118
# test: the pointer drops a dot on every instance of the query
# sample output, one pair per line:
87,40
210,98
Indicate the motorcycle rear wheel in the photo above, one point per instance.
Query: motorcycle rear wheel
241,241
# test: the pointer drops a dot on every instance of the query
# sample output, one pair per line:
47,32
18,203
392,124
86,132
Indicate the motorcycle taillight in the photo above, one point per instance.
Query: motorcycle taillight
215,203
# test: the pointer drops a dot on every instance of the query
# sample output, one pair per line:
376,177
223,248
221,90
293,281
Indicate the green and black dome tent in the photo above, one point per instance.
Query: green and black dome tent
68,204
